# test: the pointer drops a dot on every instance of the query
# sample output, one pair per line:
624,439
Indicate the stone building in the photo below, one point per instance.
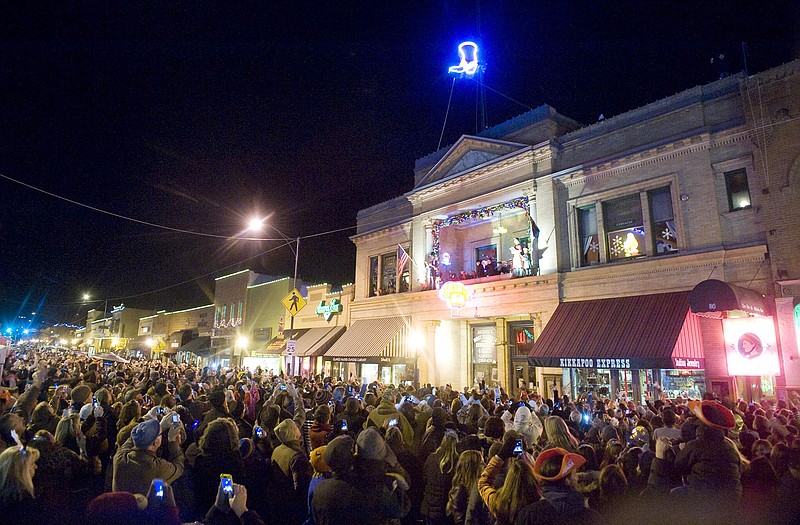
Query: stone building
643,252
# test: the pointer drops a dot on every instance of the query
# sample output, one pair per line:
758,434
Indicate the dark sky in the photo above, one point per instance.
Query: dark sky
197,116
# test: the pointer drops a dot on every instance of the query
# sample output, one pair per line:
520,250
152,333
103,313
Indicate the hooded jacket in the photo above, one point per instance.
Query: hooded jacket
385,412
528,425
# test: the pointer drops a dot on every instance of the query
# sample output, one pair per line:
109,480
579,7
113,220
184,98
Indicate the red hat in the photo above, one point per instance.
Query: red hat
713,414
569,462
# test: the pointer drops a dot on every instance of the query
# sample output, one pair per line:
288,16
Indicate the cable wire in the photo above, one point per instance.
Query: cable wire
131,219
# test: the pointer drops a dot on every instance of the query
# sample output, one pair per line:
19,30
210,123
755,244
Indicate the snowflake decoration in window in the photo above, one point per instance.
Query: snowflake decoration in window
618,246
593,246
666,234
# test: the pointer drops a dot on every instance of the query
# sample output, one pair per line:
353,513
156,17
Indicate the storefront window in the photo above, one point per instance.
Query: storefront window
623,219
677,383
663,221
484,353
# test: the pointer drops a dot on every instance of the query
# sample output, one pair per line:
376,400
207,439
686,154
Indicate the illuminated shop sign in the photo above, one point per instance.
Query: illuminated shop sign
455,294
689,363
750,346
594,363
327,311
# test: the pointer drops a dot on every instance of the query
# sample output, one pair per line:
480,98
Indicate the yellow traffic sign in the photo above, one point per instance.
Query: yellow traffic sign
294,302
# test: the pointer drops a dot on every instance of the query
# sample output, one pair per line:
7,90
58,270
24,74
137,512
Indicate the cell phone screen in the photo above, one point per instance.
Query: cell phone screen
393,422
283,387
175,419
518,447
344,425
259,432
158,487
227,484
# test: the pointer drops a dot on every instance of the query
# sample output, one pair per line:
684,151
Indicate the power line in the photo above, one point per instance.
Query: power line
131,219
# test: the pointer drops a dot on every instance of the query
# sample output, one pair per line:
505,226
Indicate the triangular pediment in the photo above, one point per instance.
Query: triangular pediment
469,152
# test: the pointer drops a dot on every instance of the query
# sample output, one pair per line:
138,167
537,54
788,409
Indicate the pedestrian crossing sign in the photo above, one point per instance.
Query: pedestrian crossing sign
294,302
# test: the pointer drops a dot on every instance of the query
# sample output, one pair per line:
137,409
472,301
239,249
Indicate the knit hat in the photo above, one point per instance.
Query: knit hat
217,399
246,447
390,395
286,431
371,445
713,414
338,454
569,462
81,394
318,461
86,411
321,397
495,428
115,507
144,434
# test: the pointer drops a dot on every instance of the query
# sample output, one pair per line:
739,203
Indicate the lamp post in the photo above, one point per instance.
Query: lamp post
256,225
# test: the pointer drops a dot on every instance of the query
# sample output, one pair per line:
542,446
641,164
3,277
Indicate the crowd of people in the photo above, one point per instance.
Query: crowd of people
83,441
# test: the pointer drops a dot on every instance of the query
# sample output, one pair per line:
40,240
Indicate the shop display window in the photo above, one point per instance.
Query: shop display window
677,383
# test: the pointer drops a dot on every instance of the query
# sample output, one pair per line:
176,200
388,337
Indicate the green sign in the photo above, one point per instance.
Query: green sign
327,310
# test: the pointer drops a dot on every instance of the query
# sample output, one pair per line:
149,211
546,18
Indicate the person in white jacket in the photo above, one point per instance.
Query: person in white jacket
528,425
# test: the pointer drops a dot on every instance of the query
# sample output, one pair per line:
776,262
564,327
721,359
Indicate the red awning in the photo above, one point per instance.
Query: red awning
644,331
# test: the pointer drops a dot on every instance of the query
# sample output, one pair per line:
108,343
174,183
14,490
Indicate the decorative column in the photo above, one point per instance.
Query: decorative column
426,355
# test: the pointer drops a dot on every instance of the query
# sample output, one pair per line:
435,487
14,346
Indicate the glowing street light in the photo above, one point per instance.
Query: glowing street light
86,297
255,224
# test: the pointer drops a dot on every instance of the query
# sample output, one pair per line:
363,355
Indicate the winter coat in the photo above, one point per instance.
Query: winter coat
386,411
206,473
710,463
135,469
437,488
528,425
560,504
291,475
350,500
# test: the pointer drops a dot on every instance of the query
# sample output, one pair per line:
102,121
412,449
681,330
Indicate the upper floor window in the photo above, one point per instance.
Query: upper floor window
373,277
738,190
383,278
587,232
635,225
624,227
662,220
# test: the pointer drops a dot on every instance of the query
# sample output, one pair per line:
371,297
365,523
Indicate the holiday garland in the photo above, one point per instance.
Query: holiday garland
476,214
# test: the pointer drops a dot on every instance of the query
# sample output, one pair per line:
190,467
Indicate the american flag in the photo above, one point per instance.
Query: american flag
402,259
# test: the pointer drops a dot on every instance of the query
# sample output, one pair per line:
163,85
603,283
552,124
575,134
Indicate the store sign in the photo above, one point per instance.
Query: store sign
750,346
327,311
455,294
594,363
349,359
688,363
484,344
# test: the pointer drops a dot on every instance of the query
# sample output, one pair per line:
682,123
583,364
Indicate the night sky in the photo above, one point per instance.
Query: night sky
197,116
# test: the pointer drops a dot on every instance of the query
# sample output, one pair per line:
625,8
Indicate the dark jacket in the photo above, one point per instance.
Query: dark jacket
350,500
710,462
559,505
207,470
437,488
291,474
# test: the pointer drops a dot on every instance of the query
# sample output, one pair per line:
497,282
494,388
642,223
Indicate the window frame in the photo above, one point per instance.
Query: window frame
641,189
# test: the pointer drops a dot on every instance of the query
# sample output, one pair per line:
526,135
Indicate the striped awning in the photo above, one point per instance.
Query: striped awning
316,340
645,331
382,337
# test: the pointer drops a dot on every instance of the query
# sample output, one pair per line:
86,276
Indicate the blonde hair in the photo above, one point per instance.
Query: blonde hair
518,490
16,476
558,434
469,468
66,429
448,455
